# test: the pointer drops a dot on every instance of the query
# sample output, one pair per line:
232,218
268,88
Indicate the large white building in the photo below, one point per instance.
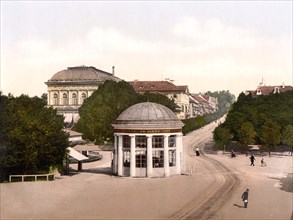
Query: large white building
67,89
147,142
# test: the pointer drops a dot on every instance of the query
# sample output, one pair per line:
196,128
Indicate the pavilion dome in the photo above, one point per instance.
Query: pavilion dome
82,73
147,115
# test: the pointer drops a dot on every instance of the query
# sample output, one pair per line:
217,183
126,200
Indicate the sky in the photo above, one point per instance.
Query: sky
206,45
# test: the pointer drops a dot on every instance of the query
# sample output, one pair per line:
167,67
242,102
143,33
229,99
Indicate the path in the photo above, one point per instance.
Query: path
208,203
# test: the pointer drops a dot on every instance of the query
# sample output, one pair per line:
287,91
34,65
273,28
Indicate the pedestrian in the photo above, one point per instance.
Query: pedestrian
245,198
233,153
197,151
252,159
262,162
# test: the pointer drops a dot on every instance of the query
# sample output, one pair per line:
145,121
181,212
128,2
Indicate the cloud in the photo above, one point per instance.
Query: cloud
107,39
213,34
216,53
196,53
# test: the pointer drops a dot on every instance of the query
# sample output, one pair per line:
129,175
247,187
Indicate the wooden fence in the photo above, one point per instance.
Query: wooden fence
35,177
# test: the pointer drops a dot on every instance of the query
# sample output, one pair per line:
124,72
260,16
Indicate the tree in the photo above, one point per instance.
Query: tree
158,98
233,122
32,139
270,135
246,134
259,109
287,136
101,109
222,136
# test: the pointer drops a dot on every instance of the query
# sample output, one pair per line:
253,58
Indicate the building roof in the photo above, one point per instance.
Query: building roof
147,115
82,74
76,155
199,98
266,90
156,86
87,147
72,133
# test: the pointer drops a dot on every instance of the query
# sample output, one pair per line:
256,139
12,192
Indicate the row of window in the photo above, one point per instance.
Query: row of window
157,141
65,99
157,157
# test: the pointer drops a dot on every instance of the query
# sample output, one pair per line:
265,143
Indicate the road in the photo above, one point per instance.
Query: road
212,191
207,204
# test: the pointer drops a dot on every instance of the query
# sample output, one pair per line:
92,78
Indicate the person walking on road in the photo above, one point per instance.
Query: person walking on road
233,153
197,151
252,159
245,198
262,162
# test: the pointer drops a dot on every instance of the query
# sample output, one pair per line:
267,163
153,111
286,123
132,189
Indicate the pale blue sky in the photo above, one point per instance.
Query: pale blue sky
207,45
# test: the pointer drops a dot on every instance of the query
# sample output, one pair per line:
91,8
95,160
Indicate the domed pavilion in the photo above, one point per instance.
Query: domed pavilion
147,142
67,89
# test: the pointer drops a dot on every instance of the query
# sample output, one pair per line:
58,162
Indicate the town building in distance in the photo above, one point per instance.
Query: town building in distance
189,105
180,94
202,104
263,89
67,89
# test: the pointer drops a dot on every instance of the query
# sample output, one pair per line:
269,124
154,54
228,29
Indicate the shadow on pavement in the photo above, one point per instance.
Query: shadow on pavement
99,170
239,206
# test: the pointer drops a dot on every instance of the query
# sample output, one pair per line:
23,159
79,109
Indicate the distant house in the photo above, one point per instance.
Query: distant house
202,104
180,94
267,90
74,137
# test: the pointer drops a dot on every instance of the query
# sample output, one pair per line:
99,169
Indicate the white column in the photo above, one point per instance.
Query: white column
49,101
179,153
115,155
120,156
149,156
166,156
132,156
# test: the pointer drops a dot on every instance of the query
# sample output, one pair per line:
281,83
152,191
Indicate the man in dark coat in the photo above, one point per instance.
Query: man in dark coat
245,198
252,159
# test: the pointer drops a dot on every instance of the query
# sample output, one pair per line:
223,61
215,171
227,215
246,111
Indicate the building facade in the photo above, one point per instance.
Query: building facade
147,142
267,90
202,104
68,89
180,94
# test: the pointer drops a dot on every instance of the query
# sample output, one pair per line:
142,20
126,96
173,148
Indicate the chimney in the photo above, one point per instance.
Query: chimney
113,70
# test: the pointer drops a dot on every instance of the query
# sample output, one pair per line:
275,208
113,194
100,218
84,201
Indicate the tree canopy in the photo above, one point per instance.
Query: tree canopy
222,136
261,112
103,107
270,134
287,136
31,136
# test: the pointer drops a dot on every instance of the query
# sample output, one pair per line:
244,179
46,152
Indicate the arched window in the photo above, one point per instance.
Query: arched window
65,99
74,99
55,99
83,97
